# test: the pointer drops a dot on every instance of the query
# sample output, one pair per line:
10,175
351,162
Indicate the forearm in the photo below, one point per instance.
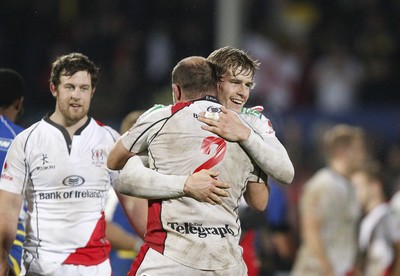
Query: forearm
137,180
121,239
270,156
10,205
118,156
136,210
257,195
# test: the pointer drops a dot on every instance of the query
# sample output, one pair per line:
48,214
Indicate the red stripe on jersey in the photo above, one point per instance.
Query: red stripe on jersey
96,250
178,106
100,123
155,234
138,260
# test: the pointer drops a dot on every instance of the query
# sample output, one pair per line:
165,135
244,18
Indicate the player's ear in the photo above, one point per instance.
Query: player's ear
176,92
19,103
53,89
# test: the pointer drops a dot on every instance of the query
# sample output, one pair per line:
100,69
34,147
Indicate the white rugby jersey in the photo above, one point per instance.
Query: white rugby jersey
378,233
195,234
258,122
65,183
339,212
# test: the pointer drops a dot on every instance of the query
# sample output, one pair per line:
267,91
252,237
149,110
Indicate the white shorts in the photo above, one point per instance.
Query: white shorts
53,269
154,264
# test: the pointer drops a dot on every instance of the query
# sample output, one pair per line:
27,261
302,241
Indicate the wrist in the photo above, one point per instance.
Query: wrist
246,136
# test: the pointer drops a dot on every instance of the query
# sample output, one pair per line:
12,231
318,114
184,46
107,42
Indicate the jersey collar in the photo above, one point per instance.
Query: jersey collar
208,98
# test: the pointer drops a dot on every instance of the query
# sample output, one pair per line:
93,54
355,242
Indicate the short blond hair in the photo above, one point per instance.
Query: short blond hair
341,137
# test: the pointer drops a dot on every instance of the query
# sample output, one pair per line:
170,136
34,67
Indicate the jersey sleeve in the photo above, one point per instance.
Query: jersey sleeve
266,149
259,122
114,137
111,205
258,176
136,139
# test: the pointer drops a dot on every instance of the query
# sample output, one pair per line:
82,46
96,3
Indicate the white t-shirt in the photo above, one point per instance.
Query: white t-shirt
195,234
65,183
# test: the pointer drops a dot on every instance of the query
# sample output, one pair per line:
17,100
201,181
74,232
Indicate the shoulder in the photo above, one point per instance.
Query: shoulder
156,109
321,180
105,129
31,135
38,126
258,121
8,128
250,111
156,113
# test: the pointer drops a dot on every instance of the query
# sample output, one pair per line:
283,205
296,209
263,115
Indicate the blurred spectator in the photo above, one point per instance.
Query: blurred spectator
159,47
377,45
336,78
379,236
279,75
329,211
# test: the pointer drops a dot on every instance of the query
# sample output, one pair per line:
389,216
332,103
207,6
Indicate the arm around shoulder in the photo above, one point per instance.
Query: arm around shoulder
137,180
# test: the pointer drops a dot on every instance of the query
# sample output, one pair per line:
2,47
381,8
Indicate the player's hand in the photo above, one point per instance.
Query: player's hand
204,187
229,126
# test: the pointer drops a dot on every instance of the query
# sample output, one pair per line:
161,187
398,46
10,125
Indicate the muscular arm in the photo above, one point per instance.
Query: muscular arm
10,206
136,212
121,239
118,156
269,154
257,195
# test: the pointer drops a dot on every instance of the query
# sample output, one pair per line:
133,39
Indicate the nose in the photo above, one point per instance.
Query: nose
242,90
75,95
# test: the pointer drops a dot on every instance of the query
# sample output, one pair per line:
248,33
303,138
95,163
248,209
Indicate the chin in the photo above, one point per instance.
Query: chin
235,108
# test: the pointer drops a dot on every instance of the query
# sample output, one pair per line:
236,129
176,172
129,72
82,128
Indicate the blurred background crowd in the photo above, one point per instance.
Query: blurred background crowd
322,63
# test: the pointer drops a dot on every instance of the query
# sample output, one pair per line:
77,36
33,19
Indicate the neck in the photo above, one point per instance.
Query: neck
339,167
70,126
9,113
372,204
